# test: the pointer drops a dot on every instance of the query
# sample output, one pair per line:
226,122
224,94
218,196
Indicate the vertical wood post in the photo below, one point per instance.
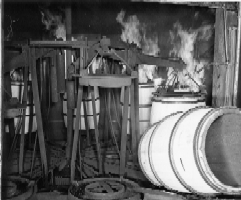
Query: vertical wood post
68,24
219,70
224,20
22,140
237,71
38,112
53,77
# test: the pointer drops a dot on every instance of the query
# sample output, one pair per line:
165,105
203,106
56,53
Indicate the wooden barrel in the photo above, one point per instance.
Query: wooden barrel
89,109
17,88
143,156
196,151
145,96
166,104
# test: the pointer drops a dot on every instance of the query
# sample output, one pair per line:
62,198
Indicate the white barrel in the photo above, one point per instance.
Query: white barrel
143,152
89,108
17,88
158,153
145,95
197,151
166,105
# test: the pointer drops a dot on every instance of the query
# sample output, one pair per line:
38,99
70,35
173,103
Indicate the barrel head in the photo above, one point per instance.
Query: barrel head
223,149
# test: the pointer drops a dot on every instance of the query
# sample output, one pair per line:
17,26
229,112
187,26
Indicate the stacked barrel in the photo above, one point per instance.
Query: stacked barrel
194,151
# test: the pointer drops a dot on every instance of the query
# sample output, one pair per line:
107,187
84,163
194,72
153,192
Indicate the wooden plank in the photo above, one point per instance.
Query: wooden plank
63,44
19,60
106,82
140,58
124,132
219,71
68,24
53,77
60,71
133,122
108,112
70,95
22,138
43,86
230,93
106,129
85,116
102,116
112,131
136,99
237,71
219,89
76,134
96,130
38,113
70,107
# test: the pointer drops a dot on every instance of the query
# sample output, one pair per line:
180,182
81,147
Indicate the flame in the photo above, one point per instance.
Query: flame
135,32
183,47
54,23
131,32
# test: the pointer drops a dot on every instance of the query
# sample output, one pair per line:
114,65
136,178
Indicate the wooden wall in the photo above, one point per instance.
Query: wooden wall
222,59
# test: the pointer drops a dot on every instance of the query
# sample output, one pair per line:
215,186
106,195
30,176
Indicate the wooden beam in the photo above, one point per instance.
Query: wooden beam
38,112
221,55
22,140
68,22
124,132
76,133
237,71
20,61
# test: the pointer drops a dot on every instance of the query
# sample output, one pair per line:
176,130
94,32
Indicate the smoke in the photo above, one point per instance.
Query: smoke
183,42
60,32
136,32
205,32
54,23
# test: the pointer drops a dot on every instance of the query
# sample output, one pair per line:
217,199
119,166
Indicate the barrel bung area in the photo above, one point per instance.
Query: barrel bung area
120,100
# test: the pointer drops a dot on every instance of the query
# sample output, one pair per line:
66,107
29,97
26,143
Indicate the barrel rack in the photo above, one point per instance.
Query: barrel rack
128,55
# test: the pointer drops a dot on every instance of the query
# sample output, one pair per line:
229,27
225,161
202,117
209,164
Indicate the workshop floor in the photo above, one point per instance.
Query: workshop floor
60,179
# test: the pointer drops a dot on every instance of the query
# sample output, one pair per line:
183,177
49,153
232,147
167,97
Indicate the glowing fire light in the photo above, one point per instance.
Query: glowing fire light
183,47
135,32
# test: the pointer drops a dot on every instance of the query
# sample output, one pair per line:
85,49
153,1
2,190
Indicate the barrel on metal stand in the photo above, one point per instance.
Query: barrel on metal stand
17,88
163,105
196,151
88,108
145,96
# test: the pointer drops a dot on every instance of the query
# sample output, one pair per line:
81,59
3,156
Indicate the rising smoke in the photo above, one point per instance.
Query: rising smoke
183,42
135,32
